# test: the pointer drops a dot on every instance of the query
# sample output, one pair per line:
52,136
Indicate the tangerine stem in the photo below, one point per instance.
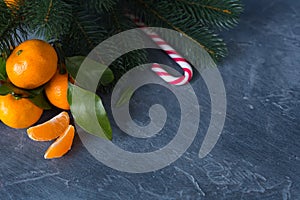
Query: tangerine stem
19,52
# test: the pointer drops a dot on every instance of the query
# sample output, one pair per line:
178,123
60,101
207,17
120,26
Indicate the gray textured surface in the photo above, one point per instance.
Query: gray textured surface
257,156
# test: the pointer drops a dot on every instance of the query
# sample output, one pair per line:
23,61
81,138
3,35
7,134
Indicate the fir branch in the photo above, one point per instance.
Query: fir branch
81,24
48,19
87,32
117,23
169,23
101,5
11,31
221,14
162,16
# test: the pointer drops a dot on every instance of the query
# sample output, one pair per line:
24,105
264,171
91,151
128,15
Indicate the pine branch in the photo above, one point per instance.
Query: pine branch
48,19
101,6
90,29
81,25
162,16
11,31
117,23
86,32
221,14
210,42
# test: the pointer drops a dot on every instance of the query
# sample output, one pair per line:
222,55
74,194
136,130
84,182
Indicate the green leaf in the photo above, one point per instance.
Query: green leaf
37,91
9,88
107,77
88,112
4,89
125,97
3,75
36,96
41,101
73,64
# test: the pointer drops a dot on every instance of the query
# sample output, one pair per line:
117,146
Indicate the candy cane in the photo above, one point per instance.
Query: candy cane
172,53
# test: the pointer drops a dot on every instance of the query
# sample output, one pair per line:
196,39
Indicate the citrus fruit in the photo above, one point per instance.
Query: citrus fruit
31,64
57,90
62,145
50,129
10,3
18,113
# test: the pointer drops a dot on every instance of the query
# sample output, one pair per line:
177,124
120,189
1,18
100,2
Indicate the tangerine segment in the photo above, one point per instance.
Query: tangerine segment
50,129
18,112
62,145
31,64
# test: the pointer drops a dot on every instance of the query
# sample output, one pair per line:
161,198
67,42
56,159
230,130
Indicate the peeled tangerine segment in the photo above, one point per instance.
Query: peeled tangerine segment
50,129
62,145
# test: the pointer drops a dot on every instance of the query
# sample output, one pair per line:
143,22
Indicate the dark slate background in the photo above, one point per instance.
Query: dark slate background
257,156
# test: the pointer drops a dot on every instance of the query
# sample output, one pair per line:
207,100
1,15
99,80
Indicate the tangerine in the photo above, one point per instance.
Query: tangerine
31,64
10,3
57,91
18,112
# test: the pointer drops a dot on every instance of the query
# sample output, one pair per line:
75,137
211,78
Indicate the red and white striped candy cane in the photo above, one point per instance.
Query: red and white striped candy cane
172,53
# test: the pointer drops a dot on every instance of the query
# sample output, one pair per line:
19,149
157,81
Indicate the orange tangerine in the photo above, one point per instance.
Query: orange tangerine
31,64
57,90
18,112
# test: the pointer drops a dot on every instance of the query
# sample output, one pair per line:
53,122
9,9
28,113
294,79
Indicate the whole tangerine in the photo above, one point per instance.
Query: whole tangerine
18,112
31,64
57,90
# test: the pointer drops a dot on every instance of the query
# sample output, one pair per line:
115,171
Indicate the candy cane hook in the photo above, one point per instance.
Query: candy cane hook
172,53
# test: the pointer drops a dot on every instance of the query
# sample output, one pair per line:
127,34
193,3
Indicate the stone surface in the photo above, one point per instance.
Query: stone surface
257,156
